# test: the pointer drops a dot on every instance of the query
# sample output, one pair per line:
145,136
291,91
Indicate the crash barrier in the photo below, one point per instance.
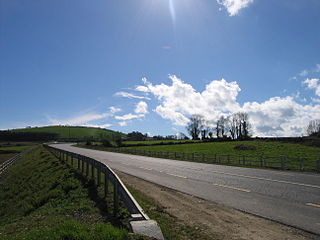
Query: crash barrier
89,167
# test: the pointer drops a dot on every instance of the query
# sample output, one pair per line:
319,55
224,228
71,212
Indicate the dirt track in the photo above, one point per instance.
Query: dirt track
214,219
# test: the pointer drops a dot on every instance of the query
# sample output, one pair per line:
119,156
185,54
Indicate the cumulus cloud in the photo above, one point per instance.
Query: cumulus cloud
275,117
313,83
180,99
234,6
141,108
130,95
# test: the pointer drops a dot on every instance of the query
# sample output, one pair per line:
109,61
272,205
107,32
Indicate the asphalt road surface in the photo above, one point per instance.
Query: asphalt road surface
292,198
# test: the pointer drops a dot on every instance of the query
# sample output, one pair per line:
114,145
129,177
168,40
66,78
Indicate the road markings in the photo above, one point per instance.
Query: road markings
233,188
268,179
149,169
313,205
179,176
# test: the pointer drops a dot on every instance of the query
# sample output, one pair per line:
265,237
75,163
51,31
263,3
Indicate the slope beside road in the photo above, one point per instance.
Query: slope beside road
288,197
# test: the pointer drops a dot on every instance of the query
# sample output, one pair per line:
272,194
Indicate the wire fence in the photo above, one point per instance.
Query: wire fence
280,162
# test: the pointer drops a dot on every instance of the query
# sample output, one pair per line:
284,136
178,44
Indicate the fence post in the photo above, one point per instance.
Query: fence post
282,159
192,157
202,157
318,165
72,160
82,164
115,199
228,159
261,160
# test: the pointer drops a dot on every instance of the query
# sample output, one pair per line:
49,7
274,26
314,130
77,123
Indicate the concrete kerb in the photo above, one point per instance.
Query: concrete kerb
147,227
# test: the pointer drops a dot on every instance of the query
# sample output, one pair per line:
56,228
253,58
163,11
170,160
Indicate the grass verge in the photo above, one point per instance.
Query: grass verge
42,198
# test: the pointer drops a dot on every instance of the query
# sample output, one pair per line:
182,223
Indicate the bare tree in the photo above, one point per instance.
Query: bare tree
313,127
239,125
195,126
222,127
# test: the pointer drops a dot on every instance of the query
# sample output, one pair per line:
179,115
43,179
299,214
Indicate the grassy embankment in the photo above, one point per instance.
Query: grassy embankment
9,150
72,132
42,198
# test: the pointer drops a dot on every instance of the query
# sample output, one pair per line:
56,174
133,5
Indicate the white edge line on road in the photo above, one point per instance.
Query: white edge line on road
268,179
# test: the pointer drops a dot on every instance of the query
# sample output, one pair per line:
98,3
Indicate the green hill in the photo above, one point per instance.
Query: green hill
71,132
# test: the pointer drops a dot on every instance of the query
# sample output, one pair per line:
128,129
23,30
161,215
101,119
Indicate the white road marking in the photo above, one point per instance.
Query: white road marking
269,179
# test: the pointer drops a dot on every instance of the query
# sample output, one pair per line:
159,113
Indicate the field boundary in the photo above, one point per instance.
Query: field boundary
141,223
280,162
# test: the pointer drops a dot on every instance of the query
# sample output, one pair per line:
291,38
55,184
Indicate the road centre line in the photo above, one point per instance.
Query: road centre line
233,188
176,175
149,169
268,179
313,205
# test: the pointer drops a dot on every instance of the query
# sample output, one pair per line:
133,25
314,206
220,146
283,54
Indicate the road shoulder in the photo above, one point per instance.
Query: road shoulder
213,219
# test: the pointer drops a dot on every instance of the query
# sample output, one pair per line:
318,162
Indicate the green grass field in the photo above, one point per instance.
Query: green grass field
42,198
158,142
14,148
261,148
72,132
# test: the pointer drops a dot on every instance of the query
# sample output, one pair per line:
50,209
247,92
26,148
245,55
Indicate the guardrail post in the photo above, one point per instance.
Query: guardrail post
78,157
115,199
87,168
82,164
106,182
72,160
92,170
98,174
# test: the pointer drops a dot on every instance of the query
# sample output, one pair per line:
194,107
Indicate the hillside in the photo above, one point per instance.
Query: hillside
71,132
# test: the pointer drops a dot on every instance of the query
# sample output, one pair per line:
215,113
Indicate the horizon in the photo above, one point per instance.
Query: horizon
147,66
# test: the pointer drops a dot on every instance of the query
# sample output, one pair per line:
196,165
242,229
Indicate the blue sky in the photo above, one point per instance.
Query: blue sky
147,65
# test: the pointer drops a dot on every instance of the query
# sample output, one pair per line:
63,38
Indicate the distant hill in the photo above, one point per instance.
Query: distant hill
71,132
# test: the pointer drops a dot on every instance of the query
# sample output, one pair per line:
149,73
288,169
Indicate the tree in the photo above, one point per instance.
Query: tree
243,125
195,126
222,127
313,128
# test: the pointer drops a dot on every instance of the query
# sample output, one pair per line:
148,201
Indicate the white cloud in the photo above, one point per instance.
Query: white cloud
122,124
274,117
317,69
141,108
78,120
313,83
304,73
234,6
180,99
280,116
113,109
130,95
129,116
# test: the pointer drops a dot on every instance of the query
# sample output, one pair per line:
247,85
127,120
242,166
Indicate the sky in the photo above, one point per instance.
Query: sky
148,65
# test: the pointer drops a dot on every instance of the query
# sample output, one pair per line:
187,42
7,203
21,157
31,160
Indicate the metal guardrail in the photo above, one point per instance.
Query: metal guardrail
281,162
140,223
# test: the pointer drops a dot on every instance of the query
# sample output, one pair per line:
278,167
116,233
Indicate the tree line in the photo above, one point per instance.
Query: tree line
235,126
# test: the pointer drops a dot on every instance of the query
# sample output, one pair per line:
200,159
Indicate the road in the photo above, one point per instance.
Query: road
292,198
